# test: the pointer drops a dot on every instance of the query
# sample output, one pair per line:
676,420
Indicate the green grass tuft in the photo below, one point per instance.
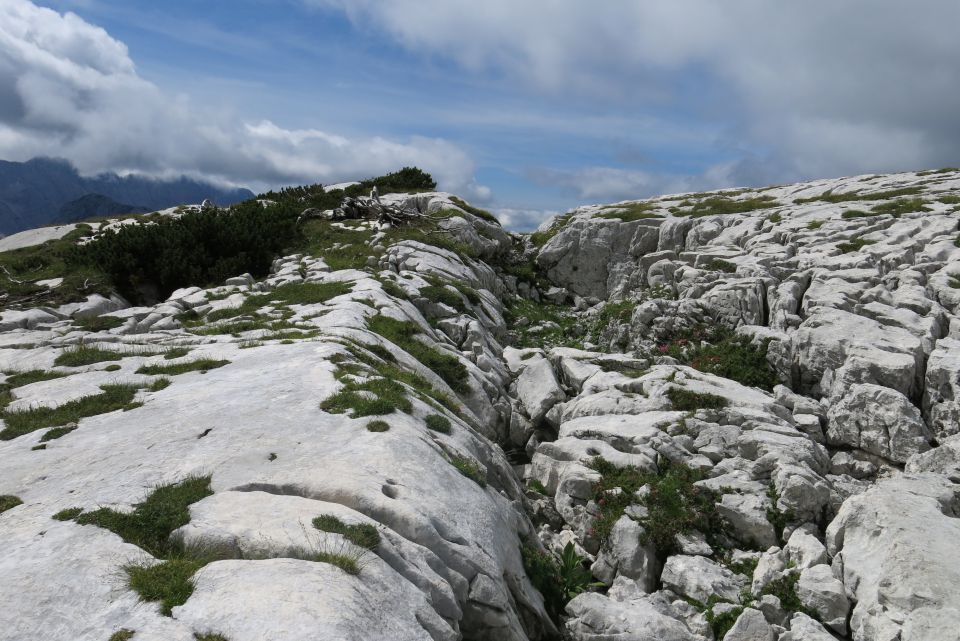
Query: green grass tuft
378,426
363,535
684,400
33,376
388,396
124,634
85,355
56,433
470,468
403,333
8,501
113,397
169,582
854,244
629,213
201,365
438,423
99,323
176,352
720,265
68,514
151,522
159,384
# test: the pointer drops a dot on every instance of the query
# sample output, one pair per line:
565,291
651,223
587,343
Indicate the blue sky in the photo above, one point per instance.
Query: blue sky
525,108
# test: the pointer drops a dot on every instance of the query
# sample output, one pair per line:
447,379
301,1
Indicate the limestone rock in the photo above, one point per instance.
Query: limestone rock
878,420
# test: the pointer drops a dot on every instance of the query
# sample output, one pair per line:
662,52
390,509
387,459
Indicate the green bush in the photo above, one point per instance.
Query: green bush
169,582
68,514
719,351
124,634
378,426
720,265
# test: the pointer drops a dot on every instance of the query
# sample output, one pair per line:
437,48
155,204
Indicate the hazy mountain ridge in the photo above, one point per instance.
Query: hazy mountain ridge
32,193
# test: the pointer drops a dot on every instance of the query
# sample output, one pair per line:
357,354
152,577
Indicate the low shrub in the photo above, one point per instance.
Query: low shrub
720,265
438,423
558,581
378,426
629,213
854,244
99,323
68,514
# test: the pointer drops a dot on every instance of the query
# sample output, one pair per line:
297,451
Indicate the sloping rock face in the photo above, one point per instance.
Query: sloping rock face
726,416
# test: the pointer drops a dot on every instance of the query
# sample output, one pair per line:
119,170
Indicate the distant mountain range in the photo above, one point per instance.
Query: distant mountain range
47,190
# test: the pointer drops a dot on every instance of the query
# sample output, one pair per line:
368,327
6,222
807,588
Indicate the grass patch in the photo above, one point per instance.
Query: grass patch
629,213
438,423
113,397
719,351
393,289
98,323
901,206
33,376
854,244
777,517
363,535
68,514
775,218
200,365
674,504
169,582
297,294
541,238
124,634
476,211
149,525
722,205
949,199
9,501
815,224
684,400
402,333
209,637
373,397
785,589
378,426
720,265
159,384
176,352
546,325
857,213
469,468
55,433
85,355
444,295
613,313
854,196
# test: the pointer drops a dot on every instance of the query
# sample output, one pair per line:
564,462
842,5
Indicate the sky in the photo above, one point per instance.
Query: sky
526,108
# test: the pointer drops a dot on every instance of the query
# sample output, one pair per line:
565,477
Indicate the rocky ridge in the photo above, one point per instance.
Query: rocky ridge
728,415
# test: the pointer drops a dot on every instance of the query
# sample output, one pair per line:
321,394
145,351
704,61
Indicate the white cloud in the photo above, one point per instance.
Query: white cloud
67,88
523,219
827,87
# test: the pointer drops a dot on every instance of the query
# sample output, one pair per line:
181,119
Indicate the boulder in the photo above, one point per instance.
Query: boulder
819,591
878,420
595,617
751,625
538,389
700,578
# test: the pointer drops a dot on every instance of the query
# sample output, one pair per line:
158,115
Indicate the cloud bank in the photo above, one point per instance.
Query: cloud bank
67,88
819,87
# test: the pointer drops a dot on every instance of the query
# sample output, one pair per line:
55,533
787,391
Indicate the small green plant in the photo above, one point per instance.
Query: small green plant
785,589
438,423
124,634
851,196
393,289
68,514
815,224
777,517
775,218
684,400
209,637
8,501
723,622
363,535
56,433
857,213
723,205
378,426
541,238
444,295
199,365
949,199
470,468
112,368
476,211
901,206
537,486
557,580
84,354
20,379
